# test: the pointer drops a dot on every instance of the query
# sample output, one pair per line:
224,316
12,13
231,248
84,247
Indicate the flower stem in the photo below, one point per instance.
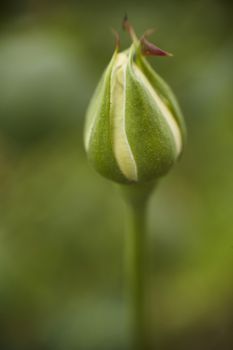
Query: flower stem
135,260
136,198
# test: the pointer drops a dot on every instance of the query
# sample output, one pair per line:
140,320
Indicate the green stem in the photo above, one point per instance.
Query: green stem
135,255
136,198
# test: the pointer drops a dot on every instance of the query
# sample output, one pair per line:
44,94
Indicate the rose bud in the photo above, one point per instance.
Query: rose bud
134,129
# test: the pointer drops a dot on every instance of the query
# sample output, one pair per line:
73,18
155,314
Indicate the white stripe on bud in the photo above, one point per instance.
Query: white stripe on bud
121,146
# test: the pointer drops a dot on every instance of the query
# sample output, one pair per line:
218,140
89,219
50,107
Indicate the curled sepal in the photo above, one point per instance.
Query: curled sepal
150,49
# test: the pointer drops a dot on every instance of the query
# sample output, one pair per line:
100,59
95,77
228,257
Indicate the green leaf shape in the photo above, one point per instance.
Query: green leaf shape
164,91
149,135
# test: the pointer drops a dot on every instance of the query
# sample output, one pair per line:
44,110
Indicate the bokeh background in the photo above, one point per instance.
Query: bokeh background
62,282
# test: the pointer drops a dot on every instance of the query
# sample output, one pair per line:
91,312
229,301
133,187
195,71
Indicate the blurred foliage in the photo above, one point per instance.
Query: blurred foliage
61,231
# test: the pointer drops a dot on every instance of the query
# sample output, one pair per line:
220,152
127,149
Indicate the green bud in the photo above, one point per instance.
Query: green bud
134,129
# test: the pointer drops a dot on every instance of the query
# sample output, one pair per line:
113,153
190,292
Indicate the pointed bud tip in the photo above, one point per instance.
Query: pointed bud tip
125,22
117,38
126,25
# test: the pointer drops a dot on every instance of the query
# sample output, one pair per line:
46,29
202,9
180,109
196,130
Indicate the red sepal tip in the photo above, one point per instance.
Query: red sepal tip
149,49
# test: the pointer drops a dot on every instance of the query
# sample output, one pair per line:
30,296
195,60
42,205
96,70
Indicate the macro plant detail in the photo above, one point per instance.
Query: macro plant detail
134,130
134,133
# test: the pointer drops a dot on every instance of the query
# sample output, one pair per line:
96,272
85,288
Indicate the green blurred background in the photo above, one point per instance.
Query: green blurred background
61,225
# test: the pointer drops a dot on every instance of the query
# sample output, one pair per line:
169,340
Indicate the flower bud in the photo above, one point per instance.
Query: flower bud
134,129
